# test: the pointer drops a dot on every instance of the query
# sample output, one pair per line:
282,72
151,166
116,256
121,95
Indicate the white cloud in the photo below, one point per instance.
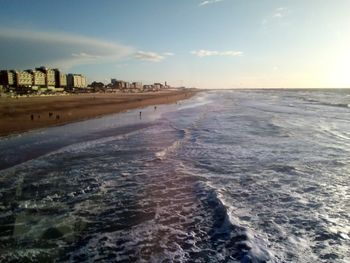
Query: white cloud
277,15
207,53
168,54
281,9
26,49
85,55
280,12
208,2
231,53
152,56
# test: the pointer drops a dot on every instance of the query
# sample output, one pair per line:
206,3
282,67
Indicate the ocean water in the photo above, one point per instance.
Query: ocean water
227,176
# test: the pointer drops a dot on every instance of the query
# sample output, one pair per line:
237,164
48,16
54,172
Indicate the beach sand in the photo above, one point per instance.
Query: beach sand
16,114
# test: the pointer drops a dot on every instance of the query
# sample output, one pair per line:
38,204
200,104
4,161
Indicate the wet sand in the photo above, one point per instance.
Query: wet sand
24,114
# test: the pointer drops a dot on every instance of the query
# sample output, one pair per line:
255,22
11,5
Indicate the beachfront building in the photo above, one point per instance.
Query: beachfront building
122,85
157,86
148,88
114,82
39,78
24,79
117,84
76,81
166,86
136,86
50,81
60,79
7,78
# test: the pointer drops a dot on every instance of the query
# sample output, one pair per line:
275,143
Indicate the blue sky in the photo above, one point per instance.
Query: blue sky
202,43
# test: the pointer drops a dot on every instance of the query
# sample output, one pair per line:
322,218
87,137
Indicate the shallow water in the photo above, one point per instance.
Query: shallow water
236,176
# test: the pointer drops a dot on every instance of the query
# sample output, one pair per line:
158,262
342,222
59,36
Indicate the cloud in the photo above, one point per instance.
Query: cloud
168,54
207,53
277,15
208,2
85,55
27,49
280,12
151,56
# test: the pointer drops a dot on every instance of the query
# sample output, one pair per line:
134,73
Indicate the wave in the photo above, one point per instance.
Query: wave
332,104
251,245
202,99
161,155
341,105
50,146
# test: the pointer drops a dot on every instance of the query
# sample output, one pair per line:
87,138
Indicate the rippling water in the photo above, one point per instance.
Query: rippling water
236,176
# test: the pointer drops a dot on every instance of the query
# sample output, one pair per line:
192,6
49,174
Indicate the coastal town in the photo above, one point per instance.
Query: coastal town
42,97
43,80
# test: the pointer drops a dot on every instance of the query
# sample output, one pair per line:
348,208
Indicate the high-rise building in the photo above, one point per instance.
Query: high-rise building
76,81
7,78
50,77
136,85
24,79
60,79
39,78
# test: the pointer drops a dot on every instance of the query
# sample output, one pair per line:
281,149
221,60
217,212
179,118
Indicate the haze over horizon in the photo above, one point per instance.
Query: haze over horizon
201,43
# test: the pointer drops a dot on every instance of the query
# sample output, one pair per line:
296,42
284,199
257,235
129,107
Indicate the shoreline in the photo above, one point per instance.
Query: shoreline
26,114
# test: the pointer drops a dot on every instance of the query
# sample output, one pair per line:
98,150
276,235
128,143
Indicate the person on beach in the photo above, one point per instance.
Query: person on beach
140,114
32,117
155,107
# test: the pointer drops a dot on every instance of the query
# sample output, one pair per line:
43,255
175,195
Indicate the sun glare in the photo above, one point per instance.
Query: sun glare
340,75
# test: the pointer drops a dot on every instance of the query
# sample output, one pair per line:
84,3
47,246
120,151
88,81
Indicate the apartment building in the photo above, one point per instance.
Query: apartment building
50,80
76,81
39,78
137,85
7,78
60,79
24,79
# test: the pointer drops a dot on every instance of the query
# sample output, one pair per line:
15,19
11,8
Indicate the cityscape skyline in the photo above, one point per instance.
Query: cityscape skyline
206,44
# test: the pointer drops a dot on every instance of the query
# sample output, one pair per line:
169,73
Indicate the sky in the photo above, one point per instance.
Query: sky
193,43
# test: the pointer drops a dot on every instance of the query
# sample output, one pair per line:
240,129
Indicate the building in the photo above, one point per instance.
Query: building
24,79
119,84
39,78
7,78
157,86
116,84
50,80
137,85
76,81
148,88
60,79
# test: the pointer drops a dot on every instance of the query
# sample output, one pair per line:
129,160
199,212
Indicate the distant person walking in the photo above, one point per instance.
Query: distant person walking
155,107
140,114
32,117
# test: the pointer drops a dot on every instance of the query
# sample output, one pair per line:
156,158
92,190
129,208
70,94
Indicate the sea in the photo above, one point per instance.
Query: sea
225,176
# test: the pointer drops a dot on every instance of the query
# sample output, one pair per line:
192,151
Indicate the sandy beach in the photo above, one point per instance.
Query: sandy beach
24,114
